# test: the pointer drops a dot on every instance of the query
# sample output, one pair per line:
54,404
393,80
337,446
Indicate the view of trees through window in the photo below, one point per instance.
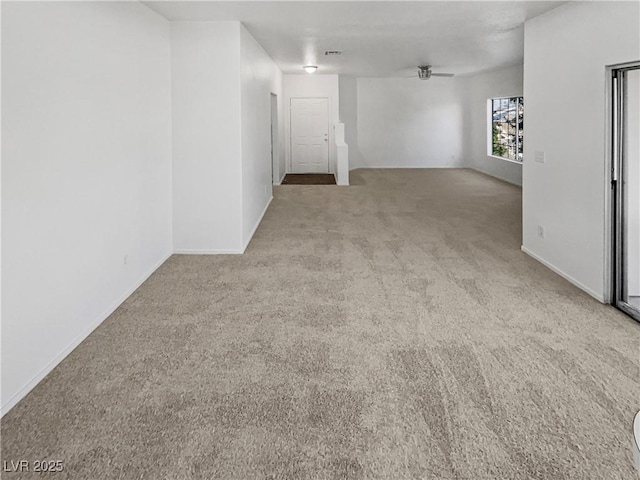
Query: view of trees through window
507,127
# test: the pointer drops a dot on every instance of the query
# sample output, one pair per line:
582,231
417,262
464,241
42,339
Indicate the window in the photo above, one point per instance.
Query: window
507,128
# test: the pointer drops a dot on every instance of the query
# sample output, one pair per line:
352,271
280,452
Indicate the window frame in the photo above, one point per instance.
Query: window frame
520,99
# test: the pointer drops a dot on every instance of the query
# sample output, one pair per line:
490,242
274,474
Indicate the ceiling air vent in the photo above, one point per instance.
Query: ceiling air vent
333,52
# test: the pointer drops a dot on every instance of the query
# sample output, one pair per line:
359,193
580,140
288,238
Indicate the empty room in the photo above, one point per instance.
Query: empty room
320,240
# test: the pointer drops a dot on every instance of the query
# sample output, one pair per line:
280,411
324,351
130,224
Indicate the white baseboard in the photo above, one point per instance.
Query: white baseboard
417,167
564,275
256,225
195,251
281,179
102,317
493,175
78,340
232,251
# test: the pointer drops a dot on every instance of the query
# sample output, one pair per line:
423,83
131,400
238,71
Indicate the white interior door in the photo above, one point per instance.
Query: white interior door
310,135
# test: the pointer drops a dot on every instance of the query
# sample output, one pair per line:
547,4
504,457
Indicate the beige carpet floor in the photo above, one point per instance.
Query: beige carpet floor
388,330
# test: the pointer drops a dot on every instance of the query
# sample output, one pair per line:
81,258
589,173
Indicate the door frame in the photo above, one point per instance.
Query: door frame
330,140
275,140
615,121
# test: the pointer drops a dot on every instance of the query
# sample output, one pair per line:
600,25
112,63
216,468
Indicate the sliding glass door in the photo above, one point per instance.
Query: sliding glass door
626,187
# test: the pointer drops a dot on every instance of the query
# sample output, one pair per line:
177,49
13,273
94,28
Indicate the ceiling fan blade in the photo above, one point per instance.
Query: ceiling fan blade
442,74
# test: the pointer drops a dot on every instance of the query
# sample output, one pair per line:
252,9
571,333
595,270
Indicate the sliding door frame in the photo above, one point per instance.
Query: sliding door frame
617,131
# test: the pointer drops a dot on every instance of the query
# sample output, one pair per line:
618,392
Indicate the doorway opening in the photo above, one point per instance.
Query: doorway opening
275,145
625,183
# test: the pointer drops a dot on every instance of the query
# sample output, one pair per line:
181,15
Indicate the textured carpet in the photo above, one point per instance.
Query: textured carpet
389,330
309,179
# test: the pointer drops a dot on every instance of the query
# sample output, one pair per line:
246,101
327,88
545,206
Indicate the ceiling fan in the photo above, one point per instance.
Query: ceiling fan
425,73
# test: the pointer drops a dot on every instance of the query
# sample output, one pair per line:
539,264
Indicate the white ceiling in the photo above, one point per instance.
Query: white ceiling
377,38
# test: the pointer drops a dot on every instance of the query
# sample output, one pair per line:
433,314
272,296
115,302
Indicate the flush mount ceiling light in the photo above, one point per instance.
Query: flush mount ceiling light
310,68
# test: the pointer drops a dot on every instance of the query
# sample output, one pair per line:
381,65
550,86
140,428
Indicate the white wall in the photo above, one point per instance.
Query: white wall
86,173
477,89
222,80
207,166
566,52
259,78
348,89
311,86
407,122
